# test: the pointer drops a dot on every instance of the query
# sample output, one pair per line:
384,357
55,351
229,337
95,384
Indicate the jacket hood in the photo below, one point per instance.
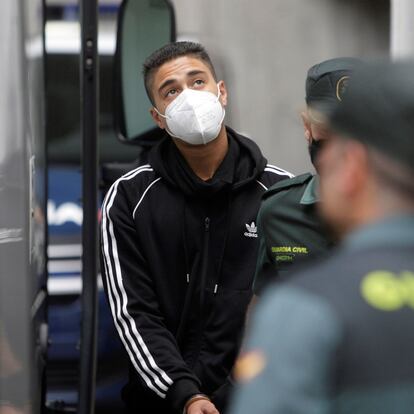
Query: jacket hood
242,164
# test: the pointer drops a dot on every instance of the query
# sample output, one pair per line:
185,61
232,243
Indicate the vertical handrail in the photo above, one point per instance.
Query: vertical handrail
89,75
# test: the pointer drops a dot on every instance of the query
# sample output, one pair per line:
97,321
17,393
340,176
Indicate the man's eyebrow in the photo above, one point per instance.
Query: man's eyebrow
196,72
166,83
188,74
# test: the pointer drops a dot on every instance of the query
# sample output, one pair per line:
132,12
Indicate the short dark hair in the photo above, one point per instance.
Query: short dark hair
169,52
393,175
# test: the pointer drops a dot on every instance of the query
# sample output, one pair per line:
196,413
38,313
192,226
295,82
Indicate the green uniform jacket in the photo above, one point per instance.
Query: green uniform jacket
337,338
290,230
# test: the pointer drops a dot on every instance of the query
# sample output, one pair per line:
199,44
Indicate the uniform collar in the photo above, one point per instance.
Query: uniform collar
395,230
311,193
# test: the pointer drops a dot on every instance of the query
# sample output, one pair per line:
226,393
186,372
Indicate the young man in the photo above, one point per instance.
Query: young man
339,337
289,227
179,241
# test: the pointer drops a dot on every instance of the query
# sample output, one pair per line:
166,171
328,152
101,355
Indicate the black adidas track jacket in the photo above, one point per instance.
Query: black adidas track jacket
179,257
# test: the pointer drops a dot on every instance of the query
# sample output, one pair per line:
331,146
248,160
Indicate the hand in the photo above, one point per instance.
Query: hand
202,407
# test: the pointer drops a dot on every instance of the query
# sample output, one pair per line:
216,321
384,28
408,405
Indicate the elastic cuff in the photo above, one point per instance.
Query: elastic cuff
181,391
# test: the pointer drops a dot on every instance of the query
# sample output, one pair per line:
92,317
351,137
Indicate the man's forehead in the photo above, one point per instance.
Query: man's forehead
181,66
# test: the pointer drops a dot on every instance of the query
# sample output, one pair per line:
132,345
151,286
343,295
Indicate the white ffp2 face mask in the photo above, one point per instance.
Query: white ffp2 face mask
194,116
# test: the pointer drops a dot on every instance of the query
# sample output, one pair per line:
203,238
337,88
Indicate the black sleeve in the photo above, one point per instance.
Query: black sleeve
133,301
272,175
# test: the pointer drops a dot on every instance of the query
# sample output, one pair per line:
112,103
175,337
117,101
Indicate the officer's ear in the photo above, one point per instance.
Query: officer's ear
306,126
355,169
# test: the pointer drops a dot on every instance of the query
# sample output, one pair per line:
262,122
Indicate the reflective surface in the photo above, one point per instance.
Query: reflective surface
144,26
22,207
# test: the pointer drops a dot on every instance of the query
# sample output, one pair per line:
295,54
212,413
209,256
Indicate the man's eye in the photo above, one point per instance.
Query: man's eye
171,92
198,82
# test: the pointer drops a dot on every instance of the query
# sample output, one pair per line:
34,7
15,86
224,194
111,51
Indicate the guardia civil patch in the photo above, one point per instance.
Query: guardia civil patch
288,253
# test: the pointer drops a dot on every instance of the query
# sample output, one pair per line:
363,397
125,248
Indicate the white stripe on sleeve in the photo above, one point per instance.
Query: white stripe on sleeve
155,378
278,171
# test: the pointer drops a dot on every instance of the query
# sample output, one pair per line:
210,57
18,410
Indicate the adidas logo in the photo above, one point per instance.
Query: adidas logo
251,230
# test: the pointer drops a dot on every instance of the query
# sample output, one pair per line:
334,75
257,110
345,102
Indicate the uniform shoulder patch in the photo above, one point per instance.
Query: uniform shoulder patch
299,180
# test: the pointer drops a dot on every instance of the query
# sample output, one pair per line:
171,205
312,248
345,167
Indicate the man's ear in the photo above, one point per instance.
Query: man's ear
157,118
356,166
223,92
306,126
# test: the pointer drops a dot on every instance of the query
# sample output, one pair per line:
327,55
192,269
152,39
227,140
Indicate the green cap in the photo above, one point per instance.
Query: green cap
378,109
326,83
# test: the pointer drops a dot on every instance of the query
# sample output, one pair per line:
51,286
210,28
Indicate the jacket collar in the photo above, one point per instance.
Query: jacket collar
311,193
241,165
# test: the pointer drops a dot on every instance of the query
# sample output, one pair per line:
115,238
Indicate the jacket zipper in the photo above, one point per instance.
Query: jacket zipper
192,282
204,265
203,278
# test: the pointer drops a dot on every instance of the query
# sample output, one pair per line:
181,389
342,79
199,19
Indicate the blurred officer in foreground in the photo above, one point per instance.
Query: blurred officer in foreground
339,338
290,229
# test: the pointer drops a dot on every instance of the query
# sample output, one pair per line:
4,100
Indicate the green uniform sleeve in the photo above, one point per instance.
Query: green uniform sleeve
265,267
294,335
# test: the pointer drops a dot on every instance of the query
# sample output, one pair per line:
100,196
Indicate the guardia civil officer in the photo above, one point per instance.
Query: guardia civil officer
289,227
179,241
339,337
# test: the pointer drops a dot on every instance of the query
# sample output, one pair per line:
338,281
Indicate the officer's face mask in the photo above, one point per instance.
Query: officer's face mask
315,147
194,116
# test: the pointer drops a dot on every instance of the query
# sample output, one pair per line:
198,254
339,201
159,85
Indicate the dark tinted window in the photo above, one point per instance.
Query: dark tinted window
63,111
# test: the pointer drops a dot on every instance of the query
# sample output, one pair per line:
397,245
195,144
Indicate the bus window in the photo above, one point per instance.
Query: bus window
63,108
